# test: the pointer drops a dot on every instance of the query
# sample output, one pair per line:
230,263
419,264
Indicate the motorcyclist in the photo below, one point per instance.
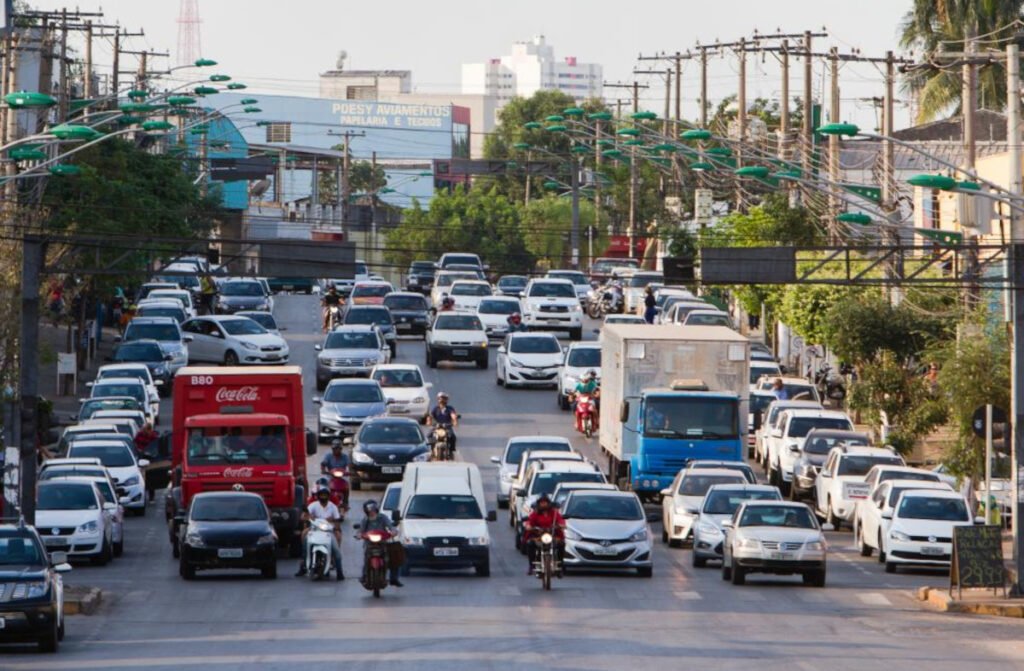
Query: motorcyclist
588,386
374,520
331,299
615,289
323,509
515,323
334,460
447,304
444,415
544,516
324,481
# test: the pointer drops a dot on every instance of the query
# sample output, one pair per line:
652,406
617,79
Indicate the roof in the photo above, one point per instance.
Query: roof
532,439
724,472
551,280
396,366
935,492
221,371
743,486
568,465
788,504
917,484
837,433
592,344
865,450
94,428
72,461
817,412
790,403
674,332
352,381
988,126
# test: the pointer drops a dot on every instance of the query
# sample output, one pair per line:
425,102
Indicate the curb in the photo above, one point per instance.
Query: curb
938,599
82,600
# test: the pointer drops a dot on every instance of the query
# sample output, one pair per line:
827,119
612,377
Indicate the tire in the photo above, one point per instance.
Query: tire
498,381
431,363
50,642
119,548
230,358
356,484
698,562
321,384
269,572
483,569
890,567
865,549
394,350
739,576
726,571
60,629
186,571
308,290
103,558
815,578
319,567
502,504
576,334
483,363
830,516
563,401
175,549
645,571
140,512
881,553
545,575
588,428
664,536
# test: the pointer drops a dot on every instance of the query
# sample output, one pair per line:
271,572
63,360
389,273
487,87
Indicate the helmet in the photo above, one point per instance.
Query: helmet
322,482
545,498
442,394
448,300
336,443
515,316
368,506
591,373
323,489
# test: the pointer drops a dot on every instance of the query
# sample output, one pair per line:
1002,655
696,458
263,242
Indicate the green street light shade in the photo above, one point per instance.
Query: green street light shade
574,111
137,108
128,120
205,63
248,101
20,99
838,129
425,173
968,186
519,145
217,144
628,131
205,90
556,128
252,110
643,116
633,143
237,86
701,165
261,124
220,78
858,218
554,118
27,153
65,170
181,101
600,116
787,174
933,181
552,185
612,153
580,149
67,131
606,143
138,93
756,171
696,134
157,125
532,125
719,151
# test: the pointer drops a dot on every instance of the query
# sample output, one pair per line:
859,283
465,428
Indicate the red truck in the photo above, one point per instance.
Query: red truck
240,429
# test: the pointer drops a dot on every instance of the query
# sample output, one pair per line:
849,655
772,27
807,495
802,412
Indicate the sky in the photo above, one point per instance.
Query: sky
281,47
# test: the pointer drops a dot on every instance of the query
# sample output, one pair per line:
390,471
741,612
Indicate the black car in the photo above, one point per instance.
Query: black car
377,315
409,312
152,354
33,593
383,446
226,530
236,295
511,285
420,277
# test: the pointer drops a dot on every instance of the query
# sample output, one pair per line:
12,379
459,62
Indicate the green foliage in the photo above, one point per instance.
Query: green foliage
858,326
519,111
547,224
650,204
681,242
363,178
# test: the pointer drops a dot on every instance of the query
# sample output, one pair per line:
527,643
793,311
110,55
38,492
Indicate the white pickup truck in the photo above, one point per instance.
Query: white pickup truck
840,484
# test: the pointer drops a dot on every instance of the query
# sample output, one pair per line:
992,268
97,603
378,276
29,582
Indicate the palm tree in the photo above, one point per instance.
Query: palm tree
943,25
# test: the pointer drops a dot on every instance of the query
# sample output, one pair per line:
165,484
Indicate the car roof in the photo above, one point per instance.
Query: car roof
789,380
708,311
61,481
111,413
397,366
917,484
703,464
344,328
72,461
552,455
605,493
223,318
128,365
246,313
157,319
865,450
505,299
538,438
110,381
99,442
901,469
157,303
936,493
838,433
532,334
406,293
742,487
352,382
94,428
391,420
566,465
789,504
373,283
823,413
731,472
469,281
80,477
513,277
585,345
559,280
585,485
787,404
227,495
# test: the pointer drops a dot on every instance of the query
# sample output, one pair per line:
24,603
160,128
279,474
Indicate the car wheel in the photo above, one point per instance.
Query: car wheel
890,567
483,363
175,549
831,518
881,552
356,483
815,578
60,629
394,350
664,536
563,400
483,569
698,561
140,512
645,571
865,549
186,570
269,572
726,571
739,576
119,548
321,384
497,379
103,558
502,504
431,363
230,358
576,334
50,641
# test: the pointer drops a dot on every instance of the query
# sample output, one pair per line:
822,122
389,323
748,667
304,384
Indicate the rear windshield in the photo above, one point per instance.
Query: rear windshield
575,278
545,483
174,313
512,281
726,501
471,290
498,307
584,357
242,327
111,456
152,332
516,450
465,259
138,351
534,345
908,475
640,281
264,319
800,426
136,391
241,289
860,465
443,507
823,445
228,509
694,319
373,290
695,484
458,323
66,496
353,393
406,302
358,316
402,377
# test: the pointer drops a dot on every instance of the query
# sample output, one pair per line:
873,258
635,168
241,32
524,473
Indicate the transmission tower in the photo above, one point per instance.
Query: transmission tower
190,45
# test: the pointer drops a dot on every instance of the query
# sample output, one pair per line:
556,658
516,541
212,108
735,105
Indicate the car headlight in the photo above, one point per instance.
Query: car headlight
517,364
412,540
267,539
130,481
248,345
481,343
361,458
817,546
195,540
422,457
414,280
36,589
479,540
575,308
371,362
420,399
639,536
709,529
89,527
750,544
572,535
897,535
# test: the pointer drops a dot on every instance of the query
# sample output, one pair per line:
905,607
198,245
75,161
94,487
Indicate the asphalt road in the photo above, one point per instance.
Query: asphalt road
680,618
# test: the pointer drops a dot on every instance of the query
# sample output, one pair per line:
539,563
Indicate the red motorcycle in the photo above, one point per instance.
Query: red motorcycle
339,486
375,560
586,414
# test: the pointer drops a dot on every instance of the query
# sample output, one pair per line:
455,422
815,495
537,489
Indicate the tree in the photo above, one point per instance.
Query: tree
363,177
859,326
547,225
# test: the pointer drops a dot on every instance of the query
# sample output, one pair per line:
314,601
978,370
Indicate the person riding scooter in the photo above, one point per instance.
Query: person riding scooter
332,299
545,516
336,460
323,509
374,520
587,385
515,323
444,415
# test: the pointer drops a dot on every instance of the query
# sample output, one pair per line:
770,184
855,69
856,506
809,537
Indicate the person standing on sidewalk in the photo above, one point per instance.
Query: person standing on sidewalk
207,290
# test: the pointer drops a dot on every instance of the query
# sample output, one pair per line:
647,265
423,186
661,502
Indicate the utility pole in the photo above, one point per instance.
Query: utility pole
741,119
1013,136
64,99
679,94
784,107
33,253
969,98
596,186
833,140
807,153
574,237
343,176
668,99
115,75
703,87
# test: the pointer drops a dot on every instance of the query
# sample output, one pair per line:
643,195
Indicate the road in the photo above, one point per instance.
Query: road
679,618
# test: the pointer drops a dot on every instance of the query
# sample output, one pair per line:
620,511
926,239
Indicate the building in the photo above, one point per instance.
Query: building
532,67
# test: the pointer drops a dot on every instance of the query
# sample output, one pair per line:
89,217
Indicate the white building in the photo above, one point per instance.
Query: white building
532,67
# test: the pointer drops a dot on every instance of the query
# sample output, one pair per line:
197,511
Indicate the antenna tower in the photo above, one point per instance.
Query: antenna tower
190,47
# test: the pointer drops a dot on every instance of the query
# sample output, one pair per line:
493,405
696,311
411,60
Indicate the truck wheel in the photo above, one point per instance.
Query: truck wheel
698,562
230,358
576,334
482,363
483,569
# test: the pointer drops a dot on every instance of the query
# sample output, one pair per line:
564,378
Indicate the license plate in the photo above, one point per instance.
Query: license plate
390,469
605,551
446,552
54,541
783,556
460,352
399,411
229,553
932,551
272,357
403,326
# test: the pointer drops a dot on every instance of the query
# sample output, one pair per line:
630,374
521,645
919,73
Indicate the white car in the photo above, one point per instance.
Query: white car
408,395
872,515
579,359
759,369
840,483
709,318
181,295
768,423
508,462
682,499
456,336
552,305
121,386
71,517
494,312
578,279
921,527
794,388
780,537
607,530
138,371
882,472
719,505
677,309
233,341
128,422
467,294
787,440
527,459
542,477
529,359
114,511
634,287
120,462
443,281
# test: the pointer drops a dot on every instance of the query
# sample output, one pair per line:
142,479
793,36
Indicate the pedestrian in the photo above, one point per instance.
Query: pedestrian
145,437
779,389
207,288
117,306
649,305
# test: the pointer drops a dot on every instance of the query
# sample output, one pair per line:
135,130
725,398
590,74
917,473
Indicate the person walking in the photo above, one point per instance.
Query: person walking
649,305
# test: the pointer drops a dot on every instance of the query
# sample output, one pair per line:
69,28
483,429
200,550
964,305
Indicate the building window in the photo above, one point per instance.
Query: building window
361,93
279,132
460,140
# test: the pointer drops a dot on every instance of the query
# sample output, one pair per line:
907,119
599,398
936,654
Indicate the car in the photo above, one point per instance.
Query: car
383,446
121,463
607,530
79,431
768,423
761,369
420,277
756,407
410,313
552,305
34,603
761,351
542,477
602,267
635,285
787,440
494,313
459,258
684,495
350,351
664,295
779,537
443,281
264,319
717,506
227,530
132,371
840,483
62,468
515,448
377,315
709,318
578,279
872,515
456,337
346,404
580,358
236,295
370,293
737,466
677,308
467,294
624,319
149,287
408,395
795,388
134,387
293,284
105,434
388,503
72,517
882,472
181,295
152,357
113,508
526,458
817,445
132,419
171,309
563,489
234,341
511,285
528,359
921,526
165,330
91,406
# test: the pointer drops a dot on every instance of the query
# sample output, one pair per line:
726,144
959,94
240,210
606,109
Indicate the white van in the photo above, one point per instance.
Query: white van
442,518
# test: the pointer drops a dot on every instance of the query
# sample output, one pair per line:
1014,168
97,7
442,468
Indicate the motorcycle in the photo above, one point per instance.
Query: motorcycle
546,565
339,487
333,317
375,561
441,450
830,384
319,561
585,414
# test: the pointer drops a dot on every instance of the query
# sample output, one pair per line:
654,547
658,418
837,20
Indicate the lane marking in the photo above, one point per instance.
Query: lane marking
874,599
688,596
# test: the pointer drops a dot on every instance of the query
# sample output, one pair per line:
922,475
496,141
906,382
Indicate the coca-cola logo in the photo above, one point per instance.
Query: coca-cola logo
247,394
240,472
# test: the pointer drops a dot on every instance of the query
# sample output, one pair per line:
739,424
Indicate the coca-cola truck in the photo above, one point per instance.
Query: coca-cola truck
240,429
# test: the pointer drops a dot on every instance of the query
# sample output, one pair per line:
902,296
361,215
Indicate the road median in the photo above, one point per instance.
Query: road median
975,602
82,600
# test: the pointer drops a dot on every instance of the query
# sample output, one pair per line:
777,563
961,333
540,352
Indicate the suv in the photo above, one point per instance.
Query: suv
457,337
350,351
768,422
409,312
166,331
840,483
787,440
443,281
237,294
459,259
420,277
817,445
552,305
578,279
34,606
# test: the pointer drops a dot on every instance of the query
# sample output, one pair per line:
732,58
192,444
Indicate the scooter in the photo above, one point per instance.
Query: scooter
547,565
333,317
585,414
375,561
339,487
441,449
829,383
318,555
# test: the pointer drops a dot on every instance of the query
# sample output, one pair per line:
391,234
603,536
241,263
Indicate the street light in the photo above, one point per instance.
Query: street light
23,99
66,131
696,134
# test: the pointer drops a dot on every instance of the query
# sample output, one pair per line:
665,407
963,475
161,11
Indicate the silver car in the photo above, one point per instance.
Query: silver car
720,503
607,530
350,351
515,448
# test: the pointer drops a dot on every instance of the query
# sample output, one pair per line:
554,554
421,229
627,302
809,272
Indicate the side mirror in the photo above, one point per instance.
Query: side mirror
979,520
317,400
347,441
311,443
624,412
776,433
188,338
121,491
727,524
143,463
58,557
318,348
492,516
690,510
496,460
391,401
827,527
666,492
89,384
107,505
428,385
886,514
794,448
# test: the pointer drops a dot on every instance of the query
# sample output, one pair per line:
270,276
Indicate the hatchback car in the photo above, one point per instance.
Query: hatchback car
263,318
872,516
234,341
93,405
124,468
236,295
383,446
112,505
780,537
494,313
684,496
409,311
529,359
515,448
34,605
457,337
181,295
70,517
166,331
607,530
227,530
408,395
346,404
420,277
350,351
376,315
370,293
718,505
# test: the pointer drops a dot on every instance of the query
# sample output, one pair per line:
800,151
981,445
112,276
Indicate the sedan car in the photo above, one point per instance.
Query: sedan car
33,607
169,309
580,359
718,505
375,315
457,337
166,331
263,318
528,359
410,313
511,285
151,355
123,467
236,295
872,515
607,530
515,448
370,293
780,537
467,294
128,387
494,313
383,446
70,517
408,395
350,351
345,405
227,530
921,528
91,406
684,496
233,341
112,508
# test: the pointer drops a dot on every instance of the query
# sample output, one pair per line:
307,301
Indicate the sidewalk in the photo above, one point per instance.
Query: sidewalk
54,340
973,601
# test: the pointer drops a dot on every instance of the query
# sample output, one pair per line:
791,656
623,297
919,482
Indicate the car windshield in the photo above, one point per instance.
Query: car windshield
907,475
512,282
739,467
241,289
928,508
794,392
778,516
443,507
458,323
446,279
860,465
691,417
406,302
180,296
111,456
697,319
66,496
353,393
698,484
183,281
177,314
471,290
552,290
391,498
822,445
606,265
228,509
136,391
138,351
18,548
407,377
894,493
545,483
641,281
584,357
756,372
574,277
371,290
726,501
264,319
246,326
390,432
515,451
152,332
352,340
800,426
534,345
360,316
238,445
124,373
602,507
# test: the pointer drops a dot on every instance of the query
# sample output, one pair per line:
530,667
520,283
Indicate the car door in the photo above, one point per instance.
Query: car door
502,356
776,437
198,349
668,503
871,514
821,484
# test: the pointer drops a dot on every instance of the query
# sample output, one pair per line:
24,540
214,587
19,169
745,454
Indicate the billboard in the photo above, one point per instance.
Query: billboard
391,115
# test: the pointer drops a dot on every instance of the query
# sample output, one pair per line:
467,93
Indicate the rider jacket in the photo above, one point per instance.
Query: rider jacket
548,519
